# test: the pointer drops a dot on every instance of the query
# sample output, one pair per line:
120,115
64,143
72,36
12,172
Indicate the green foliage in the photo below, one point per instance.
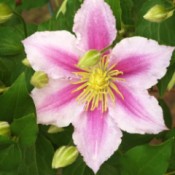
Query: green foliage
163,83
115,4
44,154
163,32
12,155
25,129
127,11
14,100
111,167
29,4
30,148
147,159
10,40
166,113
60,22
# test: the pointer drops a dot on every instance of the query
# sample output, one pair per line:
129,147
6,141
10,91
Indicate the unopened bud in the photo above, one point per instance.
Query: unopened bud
89,59
172,82
54,129
64,156
25,61
158,13
4,128
39,79
5,12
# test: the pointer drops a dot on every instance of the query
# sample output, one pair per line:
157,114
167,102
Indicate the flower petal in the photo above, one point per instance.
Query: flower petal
52,52
56,104
138,112
96,136
94,25
142,61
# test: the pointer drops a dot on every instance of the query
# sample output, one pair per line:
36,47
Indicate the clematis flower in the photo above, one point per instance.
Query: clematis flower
103,99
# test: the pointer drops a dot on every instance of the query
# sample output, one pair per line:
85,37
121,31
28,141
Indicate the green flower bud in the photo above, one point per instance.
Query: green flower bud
4,128
171,83
64,156
25,61
54,129
5,12
158,13
89,59
39,79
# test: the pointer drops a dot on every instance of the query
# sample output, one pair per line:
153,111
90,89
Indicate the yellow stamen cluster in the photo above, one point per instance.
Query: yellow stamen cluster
97,84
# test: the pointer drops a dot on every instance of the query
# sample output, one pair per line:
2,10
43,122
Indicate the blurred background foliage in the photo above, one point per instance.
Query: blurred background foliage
29,148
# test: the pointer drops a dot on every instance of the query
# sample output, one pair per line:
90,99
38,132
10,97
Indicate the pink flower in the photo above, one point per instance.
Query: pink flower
102,100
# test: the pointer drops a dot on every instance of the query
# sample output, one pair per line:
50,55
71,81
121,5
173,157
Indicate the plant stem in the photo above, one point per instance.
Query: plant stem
23,22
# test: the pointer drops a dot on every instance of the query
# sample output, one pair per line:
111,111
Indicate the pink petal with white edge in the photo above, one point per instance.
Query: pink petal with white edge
142,61
96,136
94,25
56,103
52,52
138,112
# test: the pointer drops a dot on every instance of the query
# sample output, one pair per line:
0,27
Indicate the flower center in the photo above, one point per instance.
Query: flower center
98,84
98,79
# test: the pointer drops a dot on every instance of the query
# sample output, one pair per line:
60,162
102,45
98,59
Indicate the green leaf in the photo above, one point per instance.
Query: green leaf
163,83
44,155
5,142
11,3
25,129
147,159
163,32
10,40
28,165
131,140
28,4
116,8
10,158
10,68
16,102
36,160
6,66
59,139
51,25
110,167
72,7
166,113
64,20
127,11
79,167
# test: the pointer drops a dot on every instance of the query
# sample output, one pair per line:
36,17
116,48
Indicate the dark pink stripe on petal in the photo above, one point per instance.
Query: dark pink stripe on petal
60,58
53,52
133,65
96,136
59,99
94,25
97,32
142,61
97,127
138,112
131,104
